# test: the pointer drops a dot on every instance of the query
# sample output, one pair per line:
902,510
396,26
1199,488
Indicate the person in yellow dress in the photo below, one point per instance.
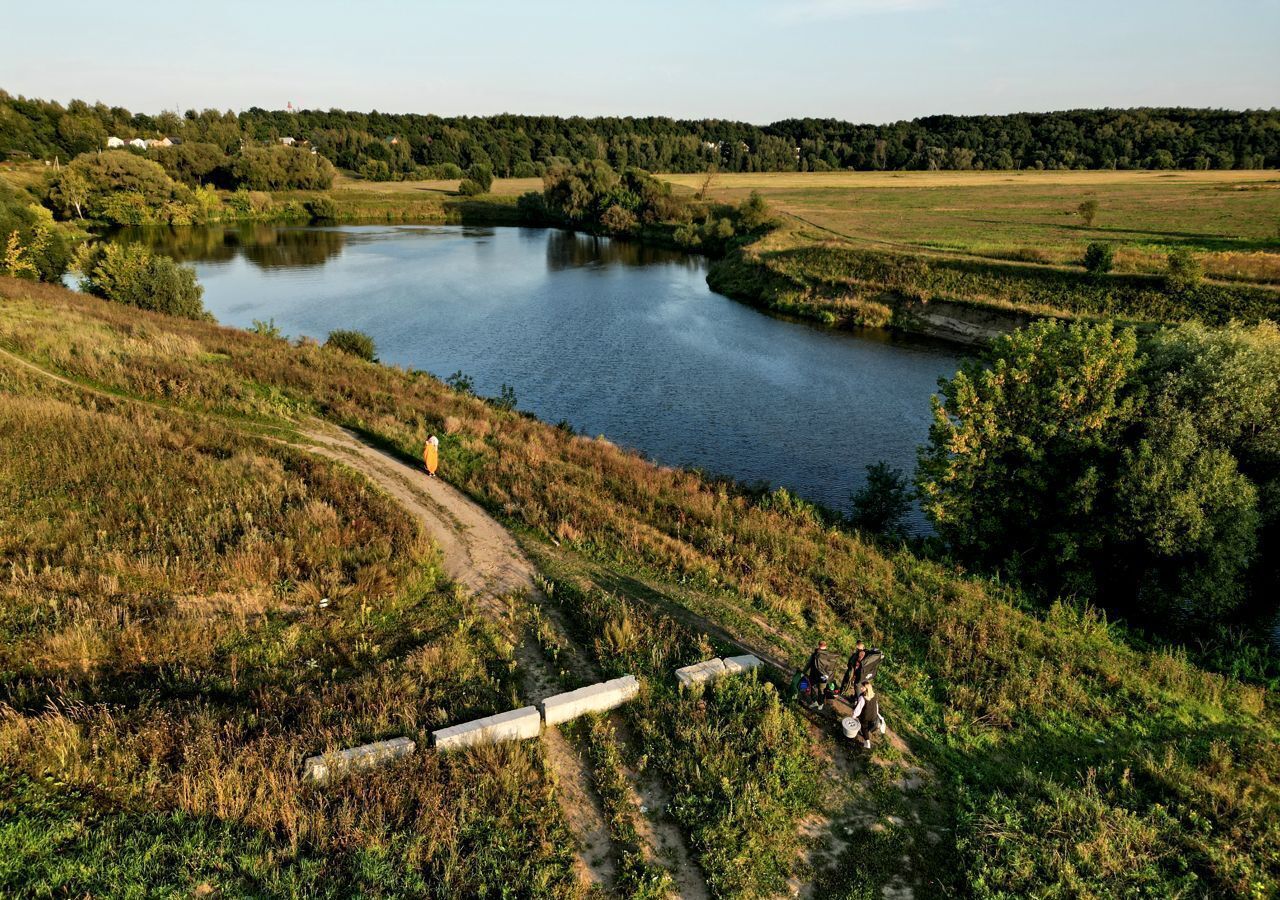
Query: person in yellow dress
431,455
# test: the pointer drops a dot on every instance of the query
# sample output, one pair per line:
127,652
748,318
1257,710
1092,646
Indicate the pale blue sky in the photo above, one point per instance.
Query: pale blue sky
862,60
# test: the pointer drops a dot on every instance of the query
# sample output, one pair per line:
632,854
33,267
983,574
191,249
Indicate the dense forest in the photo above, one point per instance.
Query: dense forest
384,146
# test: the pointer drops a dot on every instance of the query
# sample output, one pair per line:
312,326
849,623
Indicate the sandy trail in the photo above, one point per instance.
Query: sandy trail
481,555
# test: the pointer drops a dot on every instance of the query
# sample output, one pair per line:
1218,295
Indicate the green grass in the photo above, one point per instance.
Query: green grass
1066,759
1231,219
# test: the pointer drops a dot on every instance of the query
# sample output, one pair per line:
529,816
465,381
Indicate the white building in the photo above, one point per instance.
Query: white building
113,142
139,143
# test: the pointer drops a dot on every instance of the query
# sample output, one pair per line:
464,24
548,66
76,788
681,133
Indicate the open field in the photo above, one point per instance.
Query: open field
1047,754
1230,219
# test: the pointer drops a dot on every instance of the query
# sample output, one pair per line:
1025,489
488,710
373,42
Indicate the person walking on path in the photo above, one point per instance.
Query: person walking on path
431,455
867,712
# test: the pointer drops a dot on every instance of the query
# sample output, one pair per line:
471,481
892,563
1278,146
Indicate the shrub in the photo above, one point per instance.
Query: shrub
33,246
134,275
617,220
357,343
1088,211
881,505
322,209
469,188
481,174
1099,258
1184,270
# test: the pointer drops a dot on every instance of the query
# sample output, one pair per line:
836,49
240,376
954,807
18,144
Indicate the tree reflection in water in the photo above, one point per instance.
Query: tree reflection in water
265,245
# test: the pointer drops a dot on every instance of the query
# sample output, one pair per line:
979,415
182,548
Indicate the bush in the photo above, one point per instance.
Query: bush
1088,211
481,174
1099,258
883,502
357,343
31,244
132,274
322,209
617,220
469,188
1184,270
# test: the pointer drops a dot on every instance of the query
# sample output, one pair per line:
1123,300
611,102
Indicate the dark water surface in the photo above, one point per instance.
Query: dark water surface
617,339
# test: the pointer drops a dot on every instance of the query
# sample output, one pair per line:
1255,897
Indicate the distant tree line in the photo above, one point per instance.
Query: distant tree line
385,146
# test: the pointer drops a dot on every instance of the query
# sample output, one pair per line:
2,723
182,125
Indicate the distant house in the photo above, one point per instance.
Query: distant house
159,142
114,142
287,141
139,143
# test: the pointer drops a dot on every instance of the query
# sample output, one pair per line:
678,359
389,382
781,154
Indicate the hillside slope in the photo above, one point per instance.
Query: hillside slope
166,661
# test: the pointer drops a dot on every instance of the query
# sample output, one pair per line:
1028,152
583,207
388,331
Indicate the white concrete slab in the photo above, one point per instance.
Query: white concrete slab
321,768
700,673
515,725
592,698
737,665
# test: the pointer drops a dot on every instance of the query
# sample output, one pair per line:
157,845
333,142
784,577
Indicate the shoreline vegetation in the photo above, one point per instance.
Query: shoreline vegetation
778,260
1059,751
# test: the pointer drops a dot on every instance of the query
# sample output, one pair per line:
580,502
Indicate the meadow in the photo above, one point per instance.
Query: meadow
1061,757
1230,219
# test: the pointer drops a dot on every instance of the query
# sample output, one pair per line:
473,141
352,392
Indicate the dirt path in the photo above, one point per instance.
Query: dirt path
482,556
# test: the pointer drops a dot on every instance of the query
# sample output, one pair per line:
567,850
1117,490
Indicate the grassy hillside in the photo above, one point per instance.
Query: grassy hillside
1062,762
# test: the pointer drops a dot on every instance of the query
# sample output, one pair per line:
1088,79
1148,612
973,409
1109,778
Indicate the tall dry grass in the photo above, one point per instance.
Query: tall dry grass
1013,706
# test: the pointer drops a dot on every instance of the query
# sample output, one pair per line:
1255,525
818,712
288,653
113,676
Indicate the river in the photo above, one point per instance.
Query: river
612,337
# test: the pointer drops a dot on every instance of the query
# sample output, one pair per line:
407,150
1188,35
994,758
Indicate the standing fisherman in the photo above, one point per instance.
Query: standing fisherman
431,455
853,673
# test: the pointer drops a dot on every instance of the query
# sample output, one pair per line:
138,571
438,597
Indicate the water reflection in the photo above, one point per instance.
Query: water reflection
572,250
266,246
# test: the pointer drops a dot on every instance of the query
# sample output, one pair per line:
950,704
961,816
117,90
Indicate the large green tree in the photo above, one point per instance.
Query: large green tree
1072,460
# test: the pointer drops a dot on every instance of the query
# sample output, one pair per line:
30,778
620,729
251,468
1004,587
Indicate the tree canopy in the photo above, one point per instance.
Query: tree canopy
1146,477
385,146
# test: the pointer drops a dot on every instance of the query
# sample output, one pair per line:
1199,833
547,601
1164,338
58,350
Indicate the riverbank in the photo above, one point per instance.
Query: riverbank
965,301
1019,727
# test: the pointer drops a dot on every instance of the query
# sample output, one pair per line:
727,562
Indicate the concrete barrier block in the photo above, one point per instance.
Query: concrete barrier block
700,673
736,665
321,768
589,699
516,725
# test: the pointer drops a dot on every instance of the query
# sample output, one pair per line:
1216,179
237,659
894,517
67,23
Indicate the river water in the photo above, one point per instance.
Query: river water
615,338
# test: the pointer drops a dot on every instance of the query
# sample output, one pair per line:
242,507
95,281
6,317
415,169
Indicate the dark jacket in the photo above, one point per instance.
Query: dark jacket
813,669
870,716
853,674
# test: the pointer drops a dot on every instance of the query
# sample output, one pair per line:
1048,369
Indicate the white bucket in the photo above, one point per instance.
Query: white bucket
850,726
882,724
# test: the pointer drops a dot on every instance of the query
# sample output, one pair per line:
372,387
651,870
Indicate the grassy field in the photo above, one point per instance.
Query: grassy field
1230,219
1058,759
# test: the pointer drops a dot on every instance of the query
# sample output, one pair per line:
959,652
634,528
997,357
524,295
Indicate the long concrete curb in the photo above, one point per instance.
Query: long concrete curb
515,725
593,698
714,669
321,768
